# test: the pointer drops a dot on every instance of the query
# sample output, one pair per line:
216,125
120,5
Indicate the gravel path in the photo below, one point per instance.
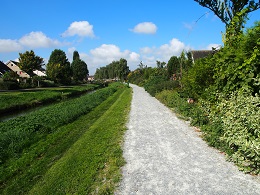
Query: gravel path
165,155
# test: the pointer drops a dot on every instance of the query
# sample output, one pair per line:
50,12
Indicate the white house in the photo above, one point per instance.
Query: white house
13,65
39,73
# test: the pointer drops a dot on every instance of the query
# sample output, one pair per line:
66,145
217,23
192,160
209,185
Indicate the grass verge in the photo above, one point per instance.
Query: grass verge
92,164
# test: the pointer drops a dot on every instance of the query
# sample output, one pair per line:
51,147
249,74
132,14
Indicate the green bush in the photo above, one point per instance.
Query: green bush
9,85
240,119
198,78
180,105
158,83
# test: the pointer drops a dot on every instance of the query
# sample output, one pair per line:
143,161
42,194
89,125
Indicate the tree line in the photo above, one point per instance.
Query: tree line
117,70
58,68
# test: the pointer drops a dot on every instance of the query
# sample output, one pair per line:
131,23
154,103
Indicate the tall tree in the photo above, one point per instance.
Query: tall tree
75,55
58,67
79,68
29,62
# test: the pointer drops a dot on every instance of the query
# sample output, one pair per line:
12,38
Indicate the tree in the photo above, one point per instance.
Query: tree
231,12
160,64
29,62
79,68
75,55
173,66
227,9
58,67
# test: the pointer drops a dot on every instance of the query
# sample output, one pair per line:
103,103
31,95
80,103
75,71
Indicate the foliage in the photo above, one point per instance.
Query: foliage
172,99
226,10
237,65
29,62
173,66
10,76
76,55
8,85
199,78
58,67
239,117
115,70
79,68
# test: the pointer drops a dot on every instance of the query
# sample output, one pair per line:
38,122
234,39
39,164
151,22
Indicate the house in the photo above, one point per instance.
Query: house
39,73
90,78
13,65
197,54
3,69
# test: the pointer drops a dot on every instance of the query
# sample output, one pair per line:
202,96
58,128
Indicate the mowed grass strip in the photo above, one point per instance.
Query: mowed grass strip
92,164
19,175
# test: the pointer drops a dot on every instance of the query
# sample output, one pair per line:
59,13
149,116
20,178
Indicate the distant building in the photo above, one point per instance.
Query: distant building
3,69
91,78
13,65
39,73
197,54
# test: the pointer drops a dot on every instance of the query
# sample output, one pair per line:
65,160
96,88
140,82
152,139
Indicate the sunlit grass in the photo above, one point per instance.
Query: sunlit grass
92,164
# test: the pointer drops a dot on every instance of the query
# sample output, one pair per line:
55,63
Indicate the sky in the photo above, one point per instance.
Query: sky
103,31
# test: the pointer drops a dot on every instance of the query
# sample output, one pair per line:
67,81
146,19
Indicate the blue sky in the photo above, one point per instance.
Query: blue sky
106,30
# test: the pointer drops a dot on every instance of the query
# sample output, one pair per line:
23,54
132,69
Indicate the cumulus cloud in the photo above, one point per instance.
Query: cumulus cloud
38,40
8,45
163,52
81,28
105,54
145,28
31,40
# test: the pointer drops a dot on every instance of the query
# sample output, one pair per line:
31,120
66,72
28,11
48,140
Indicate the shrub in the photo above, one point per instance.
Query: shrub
9,85
240,117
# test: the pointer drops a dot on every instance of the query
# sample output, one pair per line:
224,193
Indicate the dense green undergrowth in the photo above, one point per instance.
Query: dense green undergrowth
19,174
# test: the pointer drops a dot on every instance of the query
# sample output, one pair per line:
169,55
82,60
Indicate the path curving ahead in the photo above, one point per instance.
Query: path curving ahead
164,155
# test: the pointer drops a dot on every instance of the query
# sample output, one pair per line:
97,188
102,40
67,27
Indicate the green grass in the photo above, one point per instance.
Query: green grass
92,164
20,175
15,100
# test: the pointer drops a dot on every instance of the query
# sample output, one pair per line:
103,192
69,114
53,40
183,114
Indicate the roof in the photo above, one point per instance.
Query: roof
4,68
197,54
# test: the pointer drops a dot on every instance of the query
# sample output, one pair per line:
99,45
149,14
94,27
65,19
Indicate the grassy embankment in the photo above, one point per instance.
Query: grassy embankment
83,156
16,100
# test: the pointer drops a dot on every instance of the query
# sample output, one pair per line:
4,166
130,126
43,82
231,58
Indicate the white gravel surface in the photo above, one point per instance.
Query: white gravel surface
165,155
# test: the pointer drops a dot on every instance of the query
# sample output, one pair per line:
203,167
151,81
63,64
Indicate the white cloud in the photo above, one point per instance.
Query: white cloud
162,53
8,45
145,28
105,54
32,40
38,40
81,28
